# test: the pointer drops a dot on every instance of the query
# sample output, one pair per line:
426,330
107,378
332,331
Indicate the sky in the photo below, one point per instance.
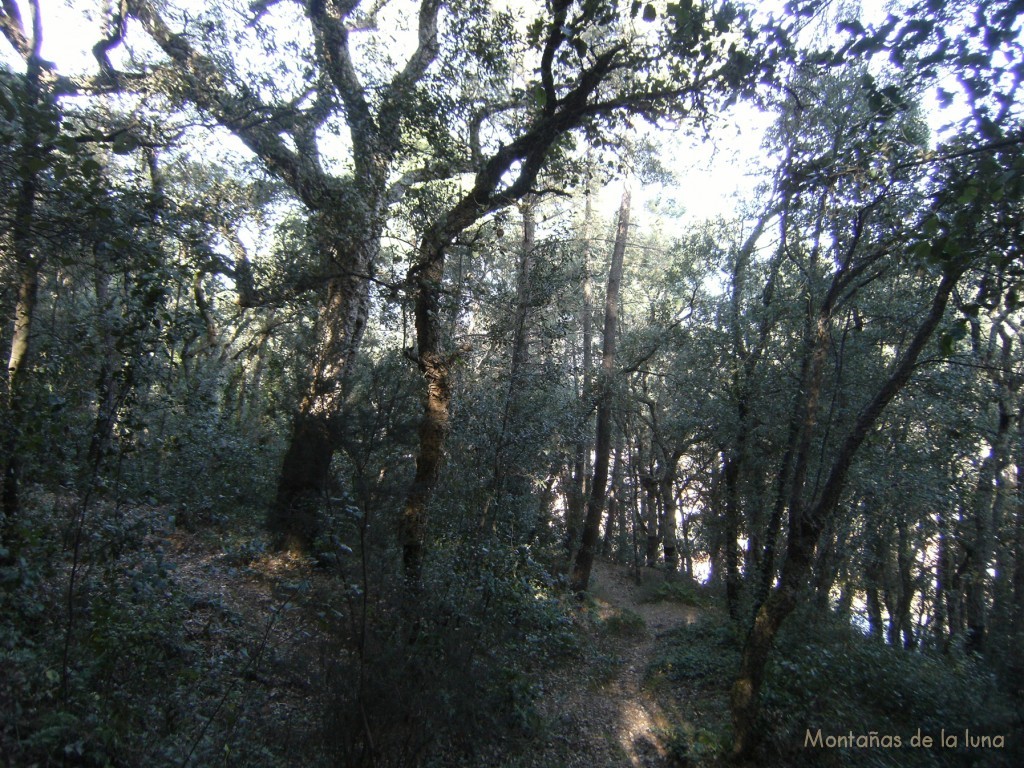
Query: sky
709,175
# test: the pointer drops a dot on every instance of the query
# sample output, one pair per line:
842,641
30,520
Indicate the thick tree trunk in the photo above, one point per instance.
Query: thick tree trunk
584,561
304,481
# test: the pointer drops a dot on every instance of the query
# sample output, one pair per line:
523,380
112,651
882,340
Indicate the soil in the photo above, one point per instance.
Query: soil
605,714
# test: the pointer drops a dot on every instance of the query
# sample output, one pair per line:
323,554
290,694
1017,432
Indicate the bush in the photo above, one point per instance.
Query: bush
826,675
626,623
676,591
447,674
705,652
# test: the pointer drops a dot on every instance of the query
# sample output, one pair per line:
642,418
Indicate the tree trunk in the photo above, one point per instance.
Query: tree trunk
584,562
577,501
874,574
520,356
435,367
1017,612
668,506
980,549
730,483
651,517
614,504
304,481
905,582
806,525
35,105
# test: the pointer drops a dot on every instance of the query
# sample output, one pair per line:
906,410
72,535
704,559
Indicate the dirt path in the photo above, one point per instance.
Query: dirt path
606,716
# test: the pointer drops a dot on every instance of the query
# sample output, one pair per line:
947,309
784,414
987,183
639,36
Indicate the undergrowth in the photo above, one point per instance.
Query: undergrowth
107,660
827,676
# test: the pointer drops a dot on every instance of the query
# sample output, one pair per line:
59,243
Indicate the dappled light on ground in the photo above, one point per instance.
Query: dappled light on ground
642,722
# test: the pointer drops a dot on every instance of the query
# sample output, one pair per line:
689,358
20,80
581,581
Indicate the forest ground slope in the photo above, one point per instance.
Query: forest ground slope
606,712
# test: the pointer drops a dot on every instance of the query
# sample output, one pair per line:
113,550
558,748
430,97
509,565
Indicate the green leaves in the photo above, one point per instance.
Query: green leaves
649,11
949,339
540,96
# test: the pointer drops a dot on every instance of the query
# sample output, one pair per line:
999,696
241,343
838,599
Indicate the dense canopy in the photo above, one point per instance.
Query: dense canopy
355,348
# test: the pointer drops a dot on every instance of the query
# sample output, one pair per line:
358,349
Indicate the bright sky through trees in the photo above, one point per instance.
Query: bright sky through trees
707,174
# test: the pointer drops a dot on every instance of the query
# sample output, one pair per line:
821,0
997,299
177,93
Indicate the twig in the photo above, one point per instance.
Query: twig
253,661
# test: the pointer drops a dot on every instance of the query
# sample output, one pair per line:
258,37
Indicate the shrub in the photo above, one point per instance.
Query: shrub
449,672
829,676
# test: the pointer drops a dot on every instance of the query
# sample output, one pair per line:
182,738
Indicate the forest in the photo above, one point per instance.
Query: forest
399,383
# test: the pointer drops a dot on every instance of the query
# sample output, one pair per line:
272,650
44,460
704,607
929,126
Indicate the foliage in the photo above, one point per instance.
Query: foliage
703,652
676,591
625,623
129,664
818,396
829,676
448,674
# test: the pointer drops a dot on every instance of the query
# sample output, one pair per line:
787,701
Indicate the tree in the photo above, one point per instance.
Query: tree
584,561
32,104
968,239
348,211
587,86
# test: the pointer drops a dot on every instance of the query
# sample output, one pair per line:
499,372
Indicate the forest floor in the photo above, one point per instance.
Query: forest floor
602,710
608,711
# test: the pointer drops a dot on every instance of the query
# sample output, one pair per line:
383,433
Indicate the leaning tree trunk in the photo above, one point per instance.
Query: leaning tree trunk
805,528
584,561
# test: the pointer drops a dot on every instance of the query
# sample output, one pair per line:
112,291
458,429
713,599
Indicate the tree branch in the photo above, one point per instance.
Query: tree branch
207,87
13,29
332,47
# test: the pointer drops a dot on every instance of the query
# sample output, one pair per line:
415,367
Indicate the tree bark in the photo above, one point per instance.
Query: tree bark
730,483
806,525
35,105
578,498
584,561
304,481
433,431
668,506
